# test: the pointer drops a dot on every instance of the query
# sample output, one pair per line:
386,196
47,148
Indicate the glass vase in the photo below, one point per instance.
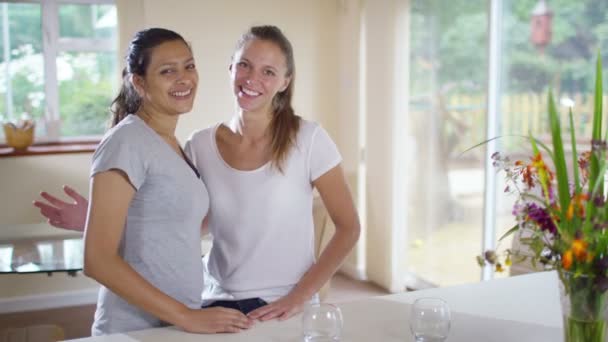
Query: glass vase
583,308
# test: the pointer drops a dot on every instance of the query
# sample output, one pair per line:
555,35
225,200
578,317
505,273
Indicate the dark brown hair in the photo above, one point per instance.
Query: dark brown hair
284,124
137,61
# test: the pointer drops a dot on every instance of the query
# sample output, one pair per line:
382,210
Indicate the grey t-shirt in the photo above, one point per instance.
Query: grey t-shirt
162,235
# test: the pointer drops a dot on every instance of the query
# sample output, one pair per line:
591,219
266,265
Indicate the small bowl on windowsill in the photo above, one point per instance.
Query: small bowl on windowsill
19,136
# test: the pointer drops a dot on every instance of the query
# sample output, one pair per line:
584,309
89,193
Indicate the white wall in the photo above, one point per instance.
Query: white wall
213,28
349,110
386,28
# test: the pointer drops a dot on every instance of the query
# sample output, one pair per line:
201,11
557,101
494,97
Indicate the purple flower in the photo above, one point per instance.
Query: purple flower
518,210
541,217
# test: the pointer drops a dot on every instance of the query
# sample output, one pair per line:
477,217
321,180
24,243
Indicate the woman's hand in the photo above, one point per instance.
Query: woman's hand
71,216
215,320
281,309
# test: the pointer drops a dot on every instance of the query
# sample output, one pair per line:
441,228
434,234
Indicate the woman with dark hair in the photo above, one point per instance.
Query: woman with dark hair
260,169
147,202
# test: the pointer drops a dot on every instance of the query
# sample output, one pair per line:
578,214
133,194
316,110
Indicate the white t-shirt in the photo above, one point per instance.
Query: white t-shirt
261,220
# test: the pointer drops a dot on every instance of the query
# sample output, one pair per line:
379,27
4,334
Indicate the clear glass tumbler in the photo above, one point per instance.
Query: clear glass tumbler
322,323
430,320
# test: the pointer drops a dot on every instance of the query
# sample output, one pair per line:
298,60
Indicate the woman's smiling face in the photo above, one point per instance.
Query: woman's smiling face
171,79
258,72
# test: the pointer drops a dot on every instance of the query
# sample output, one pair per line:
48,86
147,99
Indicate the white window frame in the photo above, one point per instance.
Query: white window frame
52,45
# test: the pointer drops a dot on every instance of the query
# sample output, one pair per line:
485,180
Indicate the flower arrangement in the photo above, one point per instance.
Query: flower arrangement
562,219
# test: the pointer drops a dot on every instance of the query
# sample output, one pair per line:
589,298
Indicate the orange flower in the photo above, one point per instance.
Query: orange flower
544,174
527,175
578,204
570,212
579,249
567,259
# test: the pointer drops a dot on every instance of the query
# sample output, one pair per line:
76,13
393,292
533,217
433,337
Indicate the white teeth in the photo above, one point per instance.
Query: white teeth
250,92
182,93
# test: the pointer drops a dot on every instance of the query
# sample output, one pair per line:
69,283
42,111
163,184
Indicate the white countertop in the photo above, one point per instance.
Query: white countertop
522,308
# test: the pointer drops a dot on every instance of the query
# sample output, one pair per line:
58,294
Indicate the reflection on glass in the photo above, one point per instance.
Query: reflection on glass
6,257
73,250
45,249
42,256
28,267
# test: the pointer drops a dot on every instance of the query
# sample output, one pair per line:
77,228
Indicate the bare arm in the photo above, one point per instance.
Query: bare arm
338,201
110,196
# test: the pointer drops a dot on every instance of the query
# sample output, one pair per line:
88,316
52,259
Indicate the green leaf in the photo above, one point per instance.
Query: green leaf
577,184
509,232
596,179
597,124
540,143
597,101
561,171
546,148
598,182
480,144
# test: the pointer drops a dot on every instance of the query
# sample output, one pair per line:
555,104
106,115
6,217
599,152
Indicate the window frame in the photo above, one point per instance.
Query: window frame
52,46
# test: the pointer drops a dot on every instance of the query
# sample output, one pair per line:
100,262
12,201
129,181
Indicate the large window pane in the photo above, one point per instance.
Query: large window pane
21,62
448,67
565,63
87,21
86,84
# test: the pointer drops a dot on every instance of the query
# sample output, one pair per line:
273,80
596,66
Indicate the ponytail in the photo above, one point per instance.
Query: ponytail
284,126
126,102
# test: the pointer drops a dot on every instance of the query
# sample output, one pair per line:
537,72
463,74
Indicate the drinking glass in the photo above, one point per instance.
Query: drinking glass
430,320
322,323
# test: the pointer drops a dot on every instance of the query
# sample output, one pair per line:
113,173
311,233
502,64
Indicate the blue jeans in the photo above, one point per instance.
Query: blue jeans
244,305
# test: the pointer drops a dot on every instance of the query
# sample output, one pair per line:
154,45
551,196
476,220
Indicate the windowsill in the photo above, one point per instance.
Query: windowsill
64,147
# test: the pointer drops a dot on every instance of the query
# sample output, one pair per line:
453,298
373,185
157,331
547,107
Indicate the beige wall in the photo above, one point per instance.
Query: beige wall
21,179
213,28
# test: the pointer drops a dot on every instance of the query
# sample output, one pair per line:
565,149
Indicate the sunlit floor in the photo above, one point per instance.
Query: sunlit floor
345,289
447,256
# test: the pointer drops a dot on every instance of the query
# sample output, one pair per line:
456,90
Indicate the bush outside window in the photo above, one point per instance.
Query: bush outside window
58,65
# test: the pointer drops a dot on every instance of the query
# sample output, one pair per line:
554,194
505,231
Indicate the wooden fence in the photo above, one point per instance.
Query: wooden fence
520,114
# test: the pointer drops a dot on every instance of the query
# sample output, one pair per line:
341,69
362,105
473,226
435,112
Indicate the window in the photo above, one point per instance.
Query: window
58,65
449,75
